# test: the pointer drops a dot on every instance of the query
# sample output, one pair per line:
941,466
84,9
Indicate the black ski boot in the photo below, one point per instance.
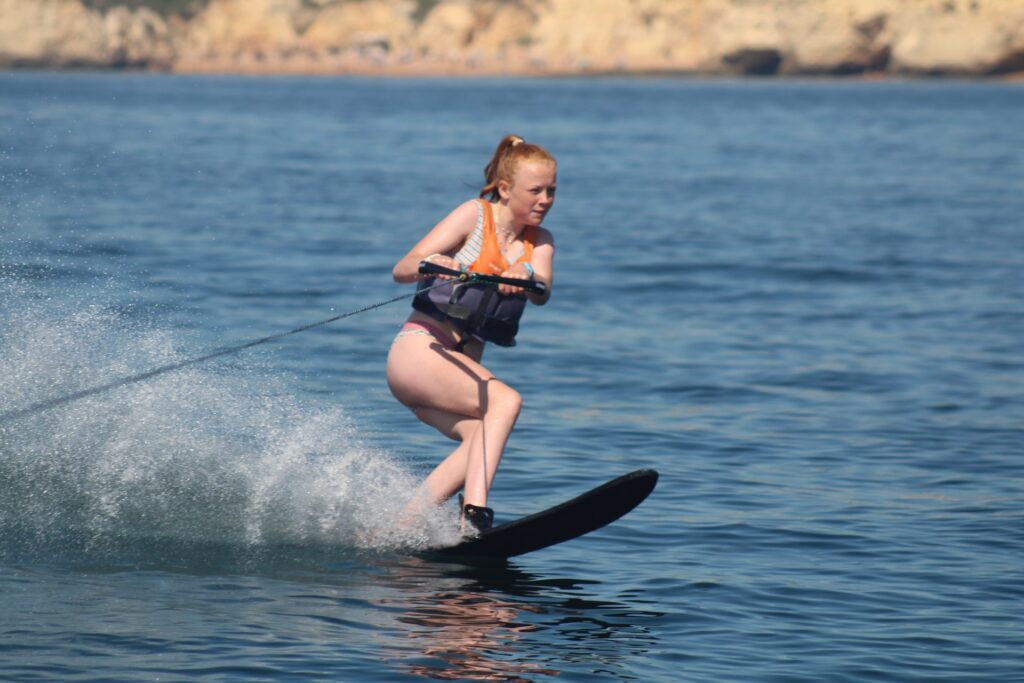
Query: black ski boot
480,518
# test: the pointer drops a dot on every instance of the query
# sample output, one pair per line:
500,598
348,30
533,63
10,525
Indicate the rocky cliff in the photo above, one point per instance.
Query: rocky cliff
911,37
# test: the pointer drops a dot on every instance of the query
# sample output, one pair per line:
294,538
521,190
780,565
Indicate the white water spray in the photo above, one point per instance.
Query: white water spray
203,455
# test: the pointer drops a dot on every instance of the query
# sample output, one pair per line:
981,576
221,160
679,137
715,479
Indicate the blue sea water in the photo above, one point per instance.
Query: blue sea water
801,302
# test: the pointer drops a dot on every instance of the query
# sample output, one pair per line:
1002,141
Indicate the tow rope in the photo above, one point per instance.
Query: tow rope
170,367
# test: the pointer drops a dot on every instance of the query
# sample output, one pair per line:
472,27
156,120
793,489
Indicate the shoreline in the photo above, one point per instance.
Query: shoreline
455,72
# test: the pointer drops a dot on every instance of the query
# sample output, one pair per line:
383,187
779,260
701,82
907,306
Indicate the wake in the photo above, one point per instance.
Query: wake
222,455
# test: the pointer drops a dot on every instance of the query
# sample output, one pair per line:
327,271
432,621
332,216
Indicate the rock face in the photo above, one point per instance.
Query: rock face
765,37
64,33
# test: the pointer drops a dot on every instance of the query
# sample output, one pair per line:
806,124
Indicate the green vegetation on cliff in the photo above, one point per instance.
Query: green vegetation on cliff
166,8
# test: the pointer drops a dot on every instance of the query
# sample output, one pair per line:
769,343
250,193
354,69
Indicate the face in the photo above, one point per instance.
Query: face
531,194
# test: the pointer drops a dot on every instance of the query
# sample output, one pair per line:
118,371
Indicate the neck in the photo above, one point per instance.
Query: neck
503,222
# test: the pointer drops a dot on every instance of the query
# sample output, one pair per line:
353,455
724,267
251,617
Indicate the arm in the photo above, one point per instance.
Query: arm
447,236
543,268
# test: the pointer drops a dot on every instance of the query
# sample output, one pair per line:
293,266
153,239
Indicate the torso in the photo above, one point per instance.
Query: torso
470,253
479,245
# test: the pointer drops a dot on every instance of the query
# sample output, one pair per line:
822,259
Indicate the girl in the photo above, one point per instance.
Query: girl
434,366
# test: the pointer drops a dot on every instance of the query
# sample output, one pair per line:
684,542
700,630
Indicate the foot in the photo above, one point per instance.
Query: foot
479,517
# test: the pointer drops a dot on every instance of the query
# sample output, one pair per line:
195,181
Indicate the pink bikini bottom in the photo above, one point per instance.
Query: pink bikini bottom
433,331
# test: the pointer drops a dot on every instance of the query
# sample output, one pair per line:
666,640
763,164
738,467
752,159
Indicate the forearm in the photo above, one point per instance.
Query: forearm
540,299
407,269
446,237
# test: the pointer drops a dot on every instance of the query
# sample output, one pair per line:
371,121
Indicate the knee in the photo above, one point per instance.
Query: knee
504,398
463,430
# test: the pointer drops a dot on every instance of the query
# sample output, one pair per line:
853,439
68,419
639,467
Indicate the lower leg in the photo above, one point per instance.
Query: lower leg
502,405
445,480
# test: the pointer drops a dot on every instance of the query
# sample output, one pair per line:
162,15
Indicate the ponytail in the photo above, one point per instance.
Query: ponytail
510,152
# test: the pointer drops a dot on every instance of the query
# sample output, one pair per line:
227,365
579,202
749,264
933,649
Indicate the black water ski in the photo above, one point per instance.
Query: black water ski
581,515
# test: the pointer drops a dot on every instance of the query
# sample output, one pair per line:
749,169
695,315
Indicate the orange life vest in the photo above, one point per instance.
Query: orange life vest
476,308
491,261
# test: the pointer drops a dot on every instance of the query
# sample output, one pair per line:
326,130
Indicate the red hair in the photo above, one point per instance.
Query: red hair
511,151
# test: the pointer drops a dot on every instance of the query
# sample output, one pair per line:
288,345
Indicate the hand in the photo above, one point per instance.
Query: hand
516,272
444,262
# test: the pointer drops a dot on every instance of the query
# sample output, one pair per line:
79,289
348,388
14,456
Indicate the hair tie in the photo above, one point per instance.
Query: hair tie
516,140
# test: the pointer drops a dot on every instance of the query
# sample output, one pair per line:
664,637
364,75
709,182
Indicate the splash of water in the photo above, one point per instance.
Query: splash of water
205,455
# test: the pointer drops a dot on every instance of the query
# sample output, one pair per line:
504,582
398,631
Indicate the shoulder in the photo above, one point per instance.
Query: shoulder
469,209
461,221
545,236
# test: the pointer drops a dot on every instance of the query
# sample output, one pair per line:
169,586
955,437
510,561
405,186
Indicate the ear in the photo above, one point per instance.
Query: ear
504,187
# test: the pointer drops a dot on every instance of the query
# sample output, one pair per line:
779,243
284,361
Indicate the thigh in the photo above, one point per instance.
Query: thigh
424,375
455,427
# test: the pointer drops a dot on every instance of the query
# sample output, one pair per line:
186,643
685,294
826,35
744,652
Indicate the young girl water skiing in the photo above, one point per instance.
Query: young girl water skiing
434,366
